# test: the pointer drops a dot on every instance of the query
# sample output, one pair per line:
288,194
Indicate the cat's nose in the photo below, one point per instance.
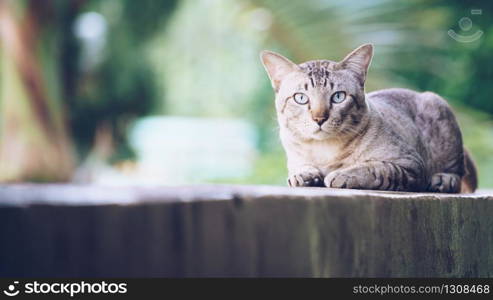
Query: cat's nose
320,120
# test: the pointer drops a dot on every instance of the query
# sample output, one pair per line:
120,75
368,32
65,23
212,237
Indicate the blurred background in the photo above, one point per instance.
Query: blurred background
171,92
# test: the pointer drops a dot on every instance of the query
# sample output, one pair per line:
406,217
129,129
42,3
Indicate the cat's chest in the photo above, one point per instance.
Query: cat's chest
321,154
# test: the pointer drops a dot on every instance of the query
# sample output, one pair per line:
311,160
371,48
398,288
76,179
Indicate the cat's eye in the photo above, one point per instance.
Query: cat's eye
300,98
338,97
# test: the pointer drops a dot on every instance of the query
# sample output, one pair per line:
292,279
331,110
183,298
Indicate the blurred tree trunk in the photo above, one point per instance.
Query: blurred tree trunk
34,143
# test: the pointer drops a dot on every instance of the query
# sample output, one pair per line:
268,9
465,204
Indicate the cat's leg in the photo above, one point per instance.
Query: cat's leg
445,183
378,175
306,176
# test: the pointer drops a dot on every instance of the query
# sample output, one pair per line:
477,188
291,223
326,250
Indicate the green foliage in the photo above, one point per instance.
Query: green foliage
477,130
122,85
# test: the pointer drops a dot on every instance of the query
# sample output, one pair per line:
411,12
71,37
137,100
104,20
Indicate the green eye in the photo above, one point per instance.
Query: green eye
338,97
300,98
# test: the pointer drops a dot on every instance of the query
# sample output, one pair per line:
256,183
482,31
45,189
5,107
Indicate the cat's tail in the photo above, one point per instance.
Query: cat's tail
469,182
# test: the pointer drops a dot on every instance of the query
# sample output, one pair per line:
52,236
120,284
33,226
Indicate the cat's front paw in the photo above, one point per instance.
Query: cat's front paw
306,177
342,180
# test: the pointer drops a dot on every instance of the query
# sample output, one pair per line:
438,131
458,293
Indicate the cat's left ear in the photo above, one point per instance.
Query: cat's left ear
277,66
359,60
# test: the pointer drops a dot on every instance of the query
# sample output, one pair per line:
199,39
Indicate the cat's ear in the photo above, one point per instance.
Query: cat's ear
359,60
277,66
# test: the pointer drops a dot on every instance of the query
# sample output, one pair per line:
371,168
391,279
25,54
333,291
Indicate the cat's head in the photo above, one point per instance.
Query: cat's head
319,99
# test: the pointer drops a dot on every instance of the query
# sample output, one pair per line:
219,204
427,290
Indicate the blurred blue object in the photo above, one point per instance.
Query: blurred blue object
181,150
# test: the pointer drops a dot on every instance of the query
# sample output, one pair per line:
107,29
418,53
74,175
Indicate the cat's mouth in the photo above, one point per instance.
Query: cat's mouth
320,134
321,129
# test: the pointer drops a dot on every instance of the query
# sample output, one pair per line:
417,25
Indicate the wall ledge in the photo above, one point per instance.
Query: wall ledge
220,230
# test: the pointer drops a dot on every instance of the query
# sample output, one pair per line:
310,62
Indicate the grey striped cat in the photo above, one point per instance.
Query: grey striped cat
337,136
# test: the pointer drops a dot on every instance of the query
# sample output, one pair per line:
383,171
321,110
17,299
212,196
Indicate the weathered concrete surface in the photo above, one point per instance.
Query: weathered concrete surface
67,230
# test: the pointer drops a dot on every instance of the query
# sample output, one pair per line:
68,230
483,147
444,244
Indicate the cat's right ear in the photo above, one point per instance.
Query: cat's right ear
277,67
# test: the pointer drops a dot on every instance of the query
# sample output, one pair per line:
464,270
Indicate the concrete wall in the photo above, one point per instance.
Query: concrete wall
64,230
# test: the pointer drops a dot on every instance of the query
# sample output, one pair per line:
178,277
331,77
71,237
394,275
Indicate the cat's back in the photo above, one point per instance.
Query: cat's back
403,103
396,102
